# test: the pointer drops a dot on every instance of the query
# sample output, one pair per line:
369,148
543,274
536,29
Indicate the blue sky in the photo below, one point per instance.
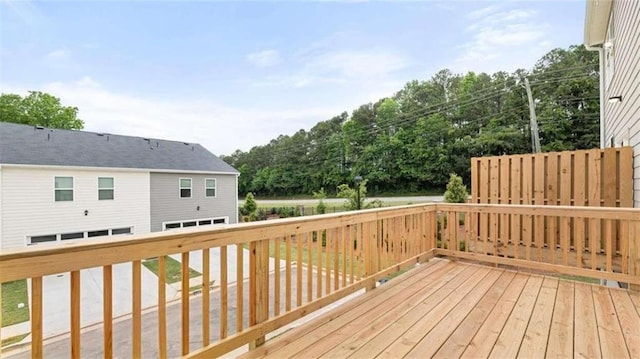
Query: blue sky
232,75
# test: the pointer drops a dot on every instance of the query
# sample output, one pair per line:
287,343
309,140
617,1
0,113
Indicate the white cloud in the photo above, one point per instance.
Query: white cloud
58,54
502,40
264,58
221,129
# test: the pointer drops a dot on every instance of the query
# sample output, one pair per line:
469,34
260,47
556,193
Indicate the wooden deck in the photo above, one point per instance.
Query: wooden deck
450,309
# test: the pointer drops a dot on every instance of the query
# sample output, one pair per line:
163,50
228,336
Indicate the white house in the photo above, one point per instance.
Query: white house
57,185
612,27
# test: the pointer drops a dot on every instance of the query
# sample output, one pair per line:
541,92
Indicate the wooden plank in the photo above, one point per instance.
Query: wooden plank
427,277
240,283
258,331
107,311
624,245
565,235
553,191
580,178
579,235
486,336
336,258
206,290
428,345
608,240
554,268
611,338
536,335
36,317
224,293
136,309
299,265
378,338
634,253
626,176
345,250
475,181
494,180
327,260
318,253
288,274
462,335
594,235
162,307
75,314
184,304
560,343
629,320
276,276
595,177
259,287
610,178
509,341
587,344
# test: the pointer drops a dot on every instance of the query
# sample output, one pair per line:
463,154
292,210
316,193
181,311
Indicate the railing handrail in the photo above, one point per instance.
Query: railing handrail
45,260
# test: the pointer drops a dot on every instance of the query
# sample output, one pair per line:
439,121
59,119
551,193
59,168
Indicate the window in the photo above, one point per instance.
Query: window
195,223
210,187
76,235
189,224
42,239
126,230
105,188
205,222
185,187
220,220
104,232
63,189
171,226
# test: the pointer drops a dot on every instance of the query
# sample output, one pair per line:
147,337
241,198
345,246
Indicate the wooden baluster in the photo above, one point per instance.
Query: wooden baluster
609,250
36,317
185,303
162,307
206,259
318,235
288,274
336,257
75,314
107,310
136,321
327,261
239,287
259,286
224,293
299,270
276,295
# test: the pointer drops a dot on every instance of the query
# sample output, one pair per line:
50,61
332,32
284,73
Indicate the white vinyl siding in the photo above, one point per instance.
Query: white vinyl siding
622,119
29,211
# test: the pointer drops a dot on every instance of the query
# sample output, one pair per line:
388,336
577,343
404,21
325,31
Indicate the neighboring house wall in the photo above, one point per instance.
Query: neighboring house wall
29,207
168,206
622,78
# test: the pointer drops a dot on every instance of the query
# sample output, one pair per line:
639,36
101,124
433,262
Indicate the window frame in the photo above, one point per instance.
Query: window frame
214,188
112,189
180,187
55,189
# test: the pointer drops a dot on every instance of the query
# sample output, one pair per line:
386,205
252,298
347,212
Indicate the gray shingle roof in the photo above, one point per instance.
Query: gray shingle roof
29,145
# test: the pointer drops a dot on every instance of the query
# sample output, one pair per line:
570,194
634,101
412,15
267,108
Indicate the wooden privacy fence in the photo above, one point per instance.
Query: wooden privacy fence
594,178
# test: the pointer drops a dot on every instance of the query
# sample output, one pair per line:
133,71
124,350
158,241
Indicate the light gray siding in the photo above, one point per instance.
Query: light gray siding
167,206
622,119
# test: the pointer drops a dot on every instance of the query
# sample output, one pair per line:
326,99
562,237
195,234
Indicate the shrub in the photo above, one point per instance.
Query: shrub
456,190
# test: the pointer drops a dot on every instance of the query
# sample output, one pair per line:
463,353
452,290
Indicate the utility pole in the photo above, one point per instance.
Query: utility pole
535,138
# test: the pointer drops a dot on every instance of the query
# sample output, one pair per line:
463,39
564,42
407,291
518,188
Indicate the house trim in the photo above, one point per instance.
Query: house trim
119,169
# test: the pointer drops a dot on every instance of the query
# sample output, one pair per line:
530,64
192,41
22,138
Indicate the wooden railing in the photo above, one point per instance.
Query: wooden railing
585,241
298,265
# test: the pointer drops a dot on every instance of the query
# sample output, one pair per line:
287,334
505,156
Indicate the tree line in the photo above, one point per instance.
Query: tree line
413,140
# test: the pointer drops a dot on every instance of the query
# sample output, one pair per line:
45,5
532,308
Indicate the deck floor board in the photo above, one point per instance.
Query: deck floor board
457,309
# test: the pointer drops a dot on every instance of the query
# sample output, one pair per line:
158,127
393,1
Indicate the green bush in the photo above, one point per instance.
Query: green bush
456,190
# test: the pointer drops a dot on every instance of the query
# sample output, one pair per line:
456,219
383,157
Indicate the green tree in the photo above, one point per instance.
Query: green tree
456,190
250,207
321,208
39,108
351,196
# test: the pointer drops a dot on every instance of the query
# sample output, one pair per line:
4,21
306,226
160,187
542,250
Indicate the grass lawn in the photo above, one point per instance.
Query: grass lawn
14,293
579,278
173,269
13,340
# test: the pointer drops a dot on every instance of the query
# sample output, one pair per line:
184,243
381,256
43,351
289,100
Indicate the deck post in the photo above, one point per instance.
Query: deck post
634,252
258,286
